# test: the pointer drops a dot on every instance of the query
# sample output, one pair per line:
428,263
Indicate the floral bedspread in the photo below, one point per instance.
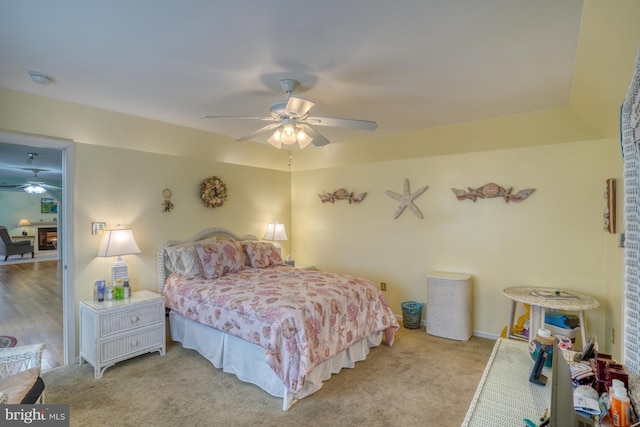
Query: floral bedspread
300,317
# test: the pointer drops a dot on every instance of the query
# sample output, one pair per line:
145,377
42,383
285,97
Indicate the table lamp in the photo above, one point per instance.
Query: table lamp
24,222
118,242
275,232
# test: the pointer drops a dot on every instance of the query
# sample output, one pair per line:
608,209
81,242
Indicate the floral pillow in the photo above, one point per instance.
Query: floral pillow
261,254
243,254
218,259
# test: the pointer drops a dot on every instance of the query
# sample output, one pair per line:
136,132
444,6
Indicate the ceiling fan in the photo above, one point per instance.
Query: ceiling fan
292,123
33,185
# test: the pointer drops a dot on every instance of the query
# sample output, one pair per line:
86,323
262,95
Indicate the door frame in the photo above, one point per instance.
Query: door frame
66,230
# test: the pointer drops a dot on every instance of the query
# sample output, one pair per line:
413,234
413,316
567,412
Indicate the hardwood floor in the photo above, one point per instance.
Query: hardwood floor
31,307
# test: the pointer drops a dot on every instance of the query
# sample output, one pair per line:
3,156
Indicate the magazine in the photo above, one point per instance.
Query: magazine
553,294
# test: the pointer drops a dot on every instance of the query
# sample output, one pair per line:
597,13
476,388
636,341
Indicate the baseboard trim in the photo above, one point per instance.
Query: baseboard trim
479,334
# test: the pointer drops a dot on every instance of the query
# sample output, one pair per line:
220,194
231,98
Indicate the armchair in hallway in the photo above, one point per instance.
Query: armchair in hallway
9,247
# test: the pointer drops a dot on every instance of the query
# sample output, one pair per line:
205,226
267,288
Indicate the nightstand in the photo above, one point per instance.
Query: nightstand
113,331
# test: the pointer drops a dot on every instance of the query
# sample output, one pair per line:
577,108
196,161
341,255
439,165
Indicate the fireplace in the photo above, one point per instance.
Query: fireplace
47,238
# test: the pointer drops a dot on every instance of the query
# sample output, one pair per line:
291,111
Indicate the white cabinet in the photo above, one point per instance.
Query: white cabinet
113,331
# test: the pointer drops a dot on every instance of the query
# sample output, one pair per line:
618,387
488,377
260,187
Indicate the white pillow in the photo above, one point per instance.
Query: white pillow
183,259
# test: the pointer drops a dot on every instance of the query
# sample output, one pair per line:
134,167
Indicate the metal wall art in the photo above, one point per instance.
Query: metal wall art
341,194
609,216
406,199
490,191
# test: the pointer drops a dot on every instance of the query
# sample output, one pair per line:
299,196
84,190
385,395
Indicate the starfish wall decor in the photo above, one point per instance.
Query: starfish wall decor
406,199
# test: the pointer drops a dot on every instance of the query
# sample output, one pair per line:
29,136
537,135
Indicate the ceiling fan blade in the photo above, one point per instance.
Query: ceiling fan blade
298,106
3,185
342,123
269,119
50,187
318,140
262,130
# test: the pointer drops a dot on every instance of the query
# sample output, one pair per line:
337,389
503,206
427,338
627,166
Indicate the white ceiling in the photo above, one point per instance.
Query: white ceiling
407,65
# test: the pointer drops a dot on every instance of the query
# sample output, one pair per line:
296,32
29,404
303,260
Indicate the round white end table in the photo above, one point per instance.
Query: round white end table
540,299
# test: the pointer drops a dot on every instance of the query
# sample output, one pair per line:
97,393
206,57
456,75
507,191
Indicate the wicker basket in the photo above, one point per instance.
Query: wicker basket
449,305
411,314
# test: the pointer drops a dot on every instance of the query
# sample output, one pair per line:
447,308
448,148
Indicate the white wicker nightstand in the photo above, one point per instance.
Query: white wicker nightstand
113,331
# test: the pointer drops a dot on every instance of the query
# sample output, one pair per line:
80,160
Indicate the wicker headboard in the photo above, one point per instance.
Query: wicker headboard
218,233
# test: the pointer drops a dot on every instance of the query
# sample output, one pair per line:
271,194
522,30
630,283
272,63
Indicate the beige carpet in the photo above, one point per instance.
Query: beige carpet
421,381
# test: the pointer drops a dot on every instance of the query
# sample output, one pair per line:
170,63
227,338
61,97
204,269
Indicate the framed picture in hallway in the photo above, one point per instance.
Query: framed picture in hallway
48,205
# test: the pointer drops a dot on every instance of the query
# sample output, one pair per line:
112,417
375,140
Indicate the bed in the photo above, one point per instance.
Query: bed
286,330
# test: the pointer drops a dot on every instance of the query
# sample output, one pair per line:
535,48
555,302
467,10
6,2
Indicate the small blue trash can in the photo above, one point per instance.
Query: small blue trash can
411,314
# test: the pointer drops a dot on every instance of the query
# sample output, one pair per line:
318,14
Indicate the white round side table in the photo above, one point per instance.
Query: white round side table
540,299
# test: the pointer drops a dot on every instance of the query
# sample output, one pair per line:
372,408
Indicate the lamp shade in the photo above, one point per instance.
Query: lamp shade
118,242
275,231
24,222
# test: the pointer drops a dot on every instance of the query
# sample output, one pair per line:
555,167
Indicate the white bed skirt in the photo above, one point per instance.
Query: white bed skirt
247,360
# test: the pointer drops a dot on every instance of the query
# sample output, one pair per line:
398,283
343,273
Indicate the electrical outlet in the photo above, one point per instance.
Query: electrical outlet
383,286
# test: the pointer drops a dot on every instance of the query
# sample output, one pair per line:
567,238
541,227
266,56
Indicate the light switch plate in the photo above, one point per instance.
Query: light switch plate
97,227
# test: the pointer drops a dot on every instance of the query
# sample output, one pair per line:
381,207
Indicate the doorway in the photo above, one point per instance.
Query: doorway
65,229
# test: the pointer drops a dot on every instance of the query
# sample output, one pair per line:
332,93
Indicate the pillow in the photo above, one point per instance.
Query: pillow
183,259
219,258
261,254
243,254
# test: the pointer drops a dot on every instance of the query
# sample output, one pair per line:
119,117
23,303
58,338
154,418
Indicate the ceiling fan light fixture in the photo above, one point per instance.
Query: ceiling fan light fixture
288,138
288,130
289,135
275,139
35,189
303,138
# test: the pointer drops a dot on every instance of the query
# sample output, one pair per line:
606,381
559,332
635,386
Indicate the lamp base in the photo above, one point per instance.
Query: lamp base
278,247
119,270
24,232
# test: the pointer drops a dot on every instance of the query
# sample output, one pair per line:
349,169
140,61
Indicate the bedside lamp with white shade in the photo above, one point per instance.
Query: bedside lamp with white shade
118,242
24,222
275,232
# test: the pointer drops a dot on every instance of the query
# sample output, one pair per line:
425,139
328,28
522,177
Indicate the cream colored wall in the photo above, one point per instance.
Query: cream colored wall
17,205
554,238
120,186
538,128
608,45
25,113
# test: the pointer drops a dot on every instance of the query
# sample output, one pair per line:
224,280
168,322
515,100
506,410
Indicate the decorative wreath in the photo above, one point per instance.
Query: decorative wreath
213,192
